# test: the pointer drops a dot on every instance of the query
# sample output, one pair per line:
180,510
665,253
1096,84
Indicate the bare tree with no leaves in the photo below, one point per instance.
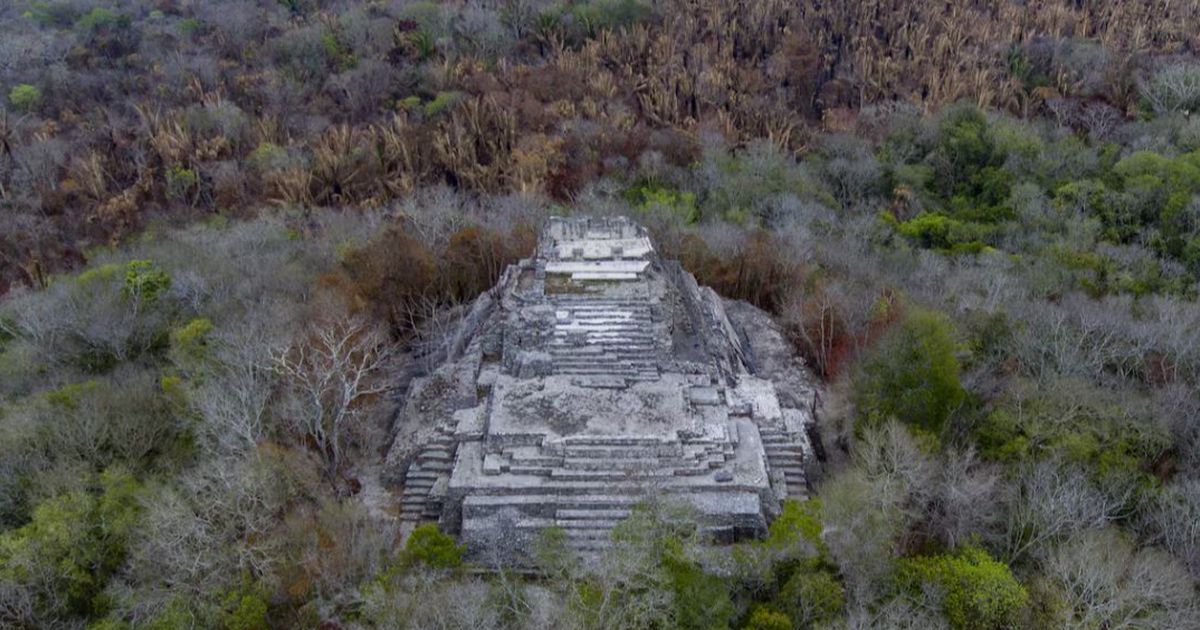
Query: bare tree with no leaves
331,373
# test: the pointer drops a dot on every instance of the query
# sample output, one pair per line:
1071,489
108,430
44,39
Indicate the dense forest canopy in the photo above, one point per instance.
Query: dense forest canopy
977,221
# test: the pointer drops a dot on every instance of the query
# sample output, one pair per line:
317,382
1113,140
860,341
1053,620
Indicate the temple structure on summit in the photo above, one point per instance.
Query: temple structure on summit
595,376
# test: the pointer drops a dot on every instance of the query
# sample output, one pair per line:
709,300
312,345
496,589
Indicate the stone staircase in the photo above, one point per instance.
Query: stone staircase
434,462
785,455
603,337
589,484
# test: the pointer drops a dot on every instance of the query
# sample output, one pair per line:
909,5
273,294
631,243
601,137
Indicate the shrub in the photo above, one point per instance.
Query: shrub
269,157
701,599
1173,88
75,541
189,342
965,148
740,186
53,14
180,182
107,33
25,97
97,18
800,520
245,609
911,375
608,14
443,102
129,419
977,592
650,197
428,545
812,597
144,282
938,231
766,619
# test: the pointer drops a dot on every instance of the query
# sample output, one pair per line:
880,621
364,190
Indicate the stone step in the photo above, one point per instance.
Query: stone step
629,360
592,352
636,331
594,349
421,473
600,370
589,350
540,471
605,463
587,302
611,475
533,460
438,455
591,306
635,328
553,488
609,452
599,534
630,336
644,364
636,456
594,355
585,441
633,361
603,318
583,501
592,514
692,472
608,355
530,522
599,321
601,524
628,374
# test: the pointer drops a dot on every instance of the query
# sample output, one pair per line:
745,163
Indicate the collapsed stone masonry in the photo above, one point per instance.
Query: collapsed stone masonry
594,376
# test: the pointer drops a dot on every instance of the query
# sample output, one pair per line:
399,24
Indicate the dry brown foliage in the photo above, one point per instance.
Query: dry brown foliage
403,280
555,114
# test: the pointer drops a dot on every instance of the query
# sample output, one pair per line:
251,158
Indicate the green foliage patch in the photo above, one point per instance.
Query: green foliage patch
430,546
73,545
976,591
912,375
25,97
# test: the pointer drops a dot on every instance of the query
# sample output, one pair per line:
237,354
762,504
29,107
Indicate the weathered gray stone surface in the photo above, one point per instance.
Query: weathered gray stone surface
595,376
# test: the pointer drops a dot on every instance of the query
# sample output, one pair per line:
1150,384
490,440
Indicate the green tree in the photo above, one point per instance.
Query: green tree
701,600
976,591
911,375
144,282
767,619
64,557
245,609
427,544
812,596
25,97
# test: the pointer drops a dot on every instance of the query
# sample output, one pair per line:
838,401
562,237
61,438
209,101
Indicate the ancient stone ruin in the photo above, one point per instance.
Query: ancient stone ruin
594,376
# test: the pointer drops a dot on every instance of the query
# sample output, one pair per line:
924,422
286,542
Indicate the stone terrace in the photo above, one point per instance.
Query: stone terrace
596,376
